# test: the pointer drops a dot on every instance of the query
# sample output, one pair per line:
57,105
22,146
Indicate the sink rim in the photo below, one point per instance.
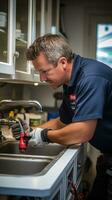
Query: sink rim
27,158
27,154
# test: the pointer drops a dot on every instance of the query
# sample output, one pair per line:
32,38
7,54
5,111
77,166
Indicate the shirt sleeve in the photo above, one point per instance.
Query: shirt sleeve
65,111
90,98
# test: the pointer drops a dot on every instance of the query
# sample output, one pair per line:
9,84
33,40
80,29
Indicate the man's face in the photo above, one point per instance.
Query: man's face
54,75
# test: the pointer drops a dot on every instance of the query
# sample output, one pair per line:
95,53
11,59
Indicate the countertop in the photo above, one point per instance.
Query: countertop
40,185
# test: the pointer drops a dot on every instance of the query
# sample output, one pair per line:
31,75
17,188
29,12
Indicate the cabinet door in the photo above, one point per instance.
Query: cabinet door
27,28
6,30
21,35
49,16
38,18
20,23
55,17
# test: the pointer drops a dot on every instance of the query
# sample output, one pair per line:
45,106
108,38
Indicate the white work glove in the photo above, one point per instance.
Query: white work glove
38,137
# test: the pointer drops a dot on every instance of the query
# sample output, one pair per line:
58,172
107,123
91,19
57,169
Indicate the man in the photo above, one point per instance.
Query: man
86,110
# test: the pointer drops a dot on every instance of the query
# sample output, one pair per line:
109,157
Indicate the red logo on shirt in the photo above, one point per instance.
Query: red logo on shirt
72,97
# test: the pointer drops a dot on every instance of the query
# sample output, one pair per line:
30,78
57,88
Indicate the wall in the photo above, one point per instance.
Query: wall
77,22
73,24
10,91
42,93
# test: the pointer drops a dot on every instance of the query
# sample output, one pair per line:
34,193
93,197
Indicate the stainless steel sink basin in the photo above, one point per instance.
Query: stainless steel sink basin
22,166
35,160
46,150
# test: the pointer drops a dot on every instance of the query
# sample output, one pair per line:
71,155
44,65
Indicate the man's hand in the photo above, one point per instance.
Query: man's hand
38,137
16,128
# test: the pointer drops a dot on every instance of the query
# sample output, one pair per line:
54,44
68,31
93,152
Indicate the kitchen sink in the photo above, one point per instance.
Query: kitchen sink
34,161
46,150
38,172
23,166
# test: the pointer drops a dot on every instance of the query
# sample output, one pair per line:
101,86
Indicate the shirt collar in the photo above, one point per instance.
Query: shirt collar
75,69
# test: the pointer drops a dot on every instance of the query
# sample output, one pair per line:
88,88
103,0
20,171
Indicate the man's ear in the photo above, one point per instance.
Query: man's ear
63,62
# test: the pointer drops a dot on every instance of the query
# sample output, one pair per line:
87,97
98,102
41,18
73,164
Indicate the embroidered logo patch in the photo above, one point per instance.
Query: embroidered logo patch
72,99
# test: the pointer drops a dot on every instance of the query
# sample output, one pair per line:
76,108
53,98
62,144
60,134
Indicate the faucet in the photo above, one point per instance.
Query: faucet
5,105
10,104
22,141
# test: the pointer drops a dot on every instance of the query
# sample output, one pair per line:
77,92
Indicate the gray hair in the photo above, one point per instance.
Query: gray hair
53,46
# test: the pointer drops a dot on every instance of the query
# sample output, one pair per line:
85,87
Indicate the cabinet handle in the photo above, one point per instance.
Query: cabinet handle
4,53
16,54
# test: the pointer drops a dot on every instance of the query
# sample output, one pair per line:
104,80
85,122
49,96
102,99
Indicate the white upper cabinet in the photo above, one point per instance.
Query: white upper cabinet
6,37
55,17
21,22
21,41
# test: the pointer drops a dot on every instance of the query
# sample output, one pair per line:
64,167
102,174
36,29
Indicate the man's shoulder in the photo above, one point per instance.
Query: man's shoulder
92,67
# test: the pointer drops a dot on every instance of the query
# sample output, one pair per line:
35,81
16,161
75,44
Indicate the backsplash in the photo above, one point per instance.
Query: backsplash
42,93
11,91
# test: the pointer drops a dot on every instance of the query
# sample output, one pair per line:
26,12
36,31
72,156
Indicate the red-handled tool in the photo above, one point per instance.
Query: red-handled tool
22,142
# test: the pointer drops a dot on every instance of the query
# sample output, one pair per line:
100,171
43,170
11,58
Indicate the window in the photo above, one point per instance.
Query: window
104,43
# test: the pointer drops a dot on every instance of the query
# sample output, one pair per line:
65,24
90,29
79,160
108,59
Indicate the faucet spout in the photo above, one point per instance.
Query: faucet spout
10,104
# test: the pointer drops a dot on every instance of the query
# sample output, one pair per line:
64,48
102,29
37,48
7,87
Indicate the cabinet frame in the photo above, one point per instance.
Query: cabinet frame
8,67
8,71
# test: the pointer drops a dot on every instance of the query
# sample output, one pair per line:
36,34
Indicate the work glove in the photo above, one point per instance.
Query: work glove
19,126
38,137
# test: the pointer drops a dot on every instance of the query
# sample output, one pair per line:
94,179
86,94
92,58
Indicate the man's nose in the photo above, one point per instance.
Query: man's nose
43,77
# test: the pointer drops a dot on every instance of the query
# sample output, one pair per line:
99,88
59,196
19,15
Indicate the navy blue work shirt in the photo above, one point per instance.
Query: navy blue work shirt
88,96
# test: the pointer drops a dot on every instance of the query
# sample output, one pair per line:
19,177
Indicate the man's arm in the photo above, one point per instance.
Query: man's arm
53,124
74,133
